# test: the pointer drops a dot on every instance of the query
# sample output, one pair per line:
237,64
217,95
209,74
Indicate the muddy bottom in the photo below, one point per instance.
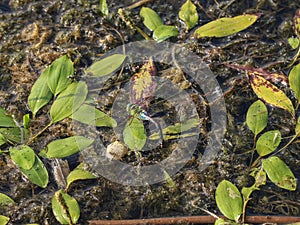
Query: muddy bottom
35,33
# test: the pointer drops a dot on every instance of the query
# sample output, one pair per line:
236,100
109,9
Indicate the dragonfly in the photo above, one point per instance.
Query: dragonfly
142,91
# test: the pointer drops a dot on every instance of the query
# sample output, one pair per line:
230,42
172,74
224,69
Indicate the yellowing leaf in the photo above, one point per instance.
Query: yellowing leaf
226,26
294,42
79,174
188,14
142,85
270,93
5,200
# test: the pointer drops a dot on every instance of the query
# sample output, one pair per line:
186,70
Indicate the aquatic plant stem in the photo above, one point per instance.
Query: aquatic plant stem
39,133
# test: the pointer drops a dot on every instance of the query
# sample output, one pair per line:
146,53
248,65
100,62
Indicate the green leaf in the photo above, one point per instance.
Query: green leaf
226,26
164,32
268,142
5,200
103,7
2,139
297,128
270,93
294,42
23,156
260,179
257,117
294,80
66,147
176,130
26,121
279,173
79,174
58,74
3,220
37,174
150,18
106,65
68,101
12,134
40,93
90,115
229,200
134,134
6,120
65,208
188,14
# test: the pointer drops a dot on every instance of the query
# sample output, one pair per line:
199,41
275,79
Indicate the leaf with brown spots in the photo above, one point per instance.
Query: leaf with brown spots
270,93
142,85
272,77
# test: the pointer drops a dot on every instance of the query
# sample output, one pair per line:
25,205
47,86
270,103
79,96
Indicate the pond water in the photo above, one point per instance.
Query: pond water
35,33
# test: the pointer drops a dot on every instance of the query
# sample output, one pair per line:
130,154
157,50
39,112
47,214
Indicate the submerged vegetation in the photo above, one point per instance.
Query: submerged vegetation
52,109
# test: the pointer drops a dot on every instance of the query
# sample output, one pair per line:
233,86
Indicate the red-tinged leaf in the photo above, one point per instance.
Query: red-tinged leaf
270,93
297,23
272,77
142,85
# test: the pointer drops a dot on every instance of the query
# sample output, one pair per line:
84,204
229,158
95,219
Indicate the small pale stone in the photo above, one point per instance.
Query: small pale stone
116,150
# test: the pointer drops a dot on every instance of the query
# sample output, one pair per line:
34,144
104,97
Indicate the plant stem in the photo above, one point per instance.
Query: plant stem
39,133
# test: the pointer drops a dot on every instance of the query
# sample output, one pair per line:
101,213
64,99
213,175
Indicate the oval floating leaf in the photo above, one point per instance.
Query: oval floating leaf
3,220
6,120
90,115
40,93
294,80
106,65
68,101
66,147
23,156
268,142
226,26
270,93
229,200
58,74
164,32
134,134
79,174
151,18
5,200
257,117
279,173
188,14
37,174
65,208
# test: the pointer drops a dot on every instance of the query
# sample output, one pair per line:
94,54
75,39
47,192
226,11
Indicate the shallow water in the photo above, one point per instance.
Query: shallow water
34,33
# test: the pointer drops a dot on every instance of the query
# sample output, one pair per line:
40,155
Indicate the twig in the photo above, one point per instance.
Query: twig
194,219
